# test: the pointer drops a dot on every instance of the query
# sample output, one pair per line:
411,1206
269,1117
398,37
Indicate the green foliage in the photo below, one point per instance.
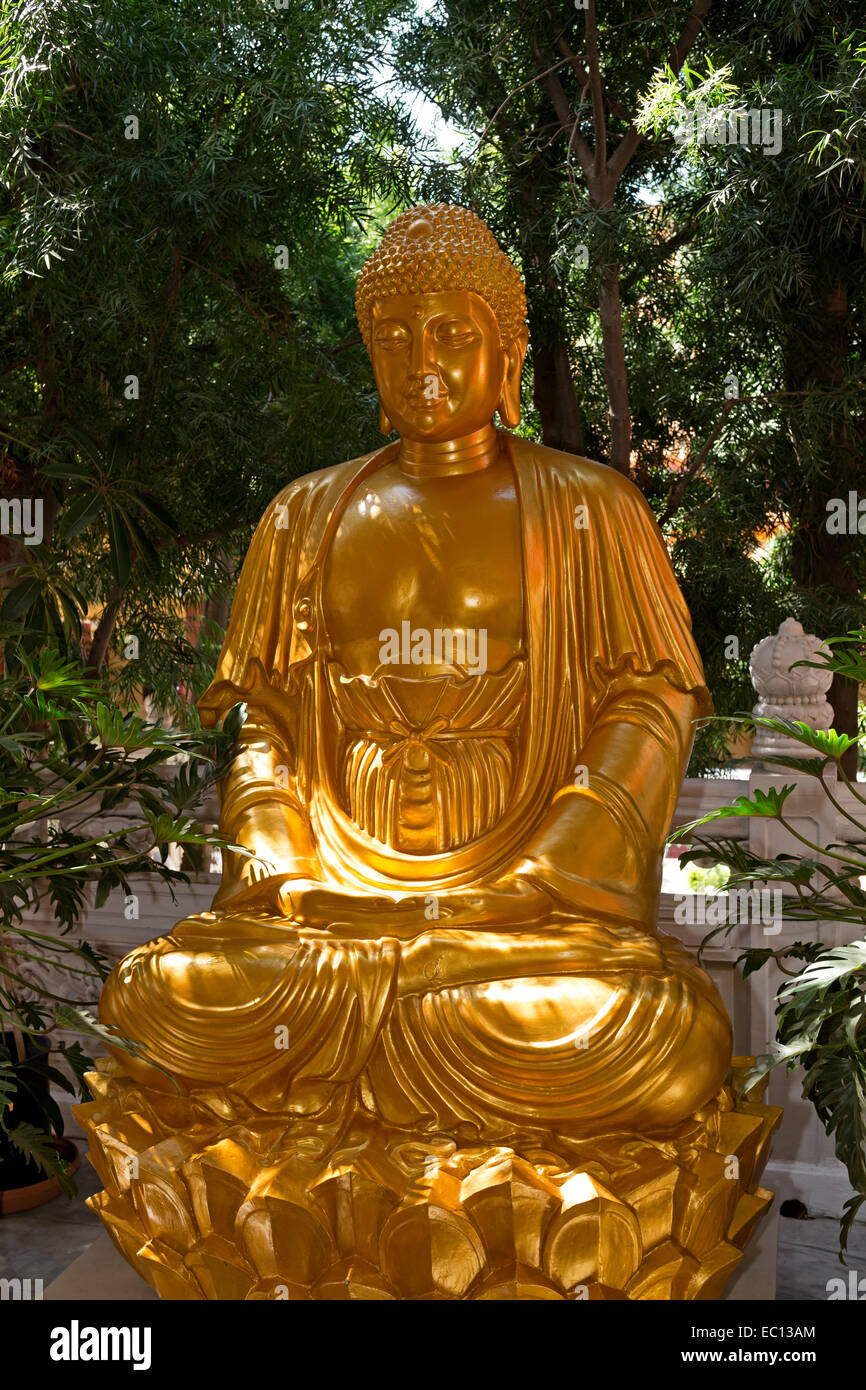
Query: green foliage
820,1011
34,1145
67,759
31,1076
710,880
820,1028
67,752
731,261
177,336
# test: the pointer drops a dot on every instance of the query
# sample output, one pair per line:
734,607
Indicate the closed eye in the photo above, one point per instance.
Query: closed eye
455,332
391,334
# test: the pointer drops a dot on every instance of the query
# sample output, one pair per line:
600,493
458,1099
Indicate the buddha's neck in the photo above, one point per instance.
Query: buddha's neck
471,452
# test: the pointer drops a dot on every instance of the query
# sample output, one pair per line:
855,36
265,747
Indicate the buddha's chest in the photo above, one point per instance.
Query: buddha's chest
413,561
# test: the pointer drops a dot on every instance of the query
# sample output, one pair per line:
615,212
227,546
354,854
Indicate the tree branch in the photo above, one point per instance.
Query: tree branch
694,467
686,41
614,107
104,628
664,250
248,304
621,156
180,542
596,92
568,121
522,88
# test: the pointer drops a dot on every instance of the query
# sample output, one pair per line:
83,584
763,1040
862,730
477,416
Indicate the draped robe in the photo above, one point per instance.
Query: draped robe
584,1023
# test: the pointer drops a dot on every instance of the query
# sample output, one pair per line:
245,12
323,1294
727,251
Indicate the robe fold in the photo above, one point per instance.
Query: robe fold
585,1023
603,606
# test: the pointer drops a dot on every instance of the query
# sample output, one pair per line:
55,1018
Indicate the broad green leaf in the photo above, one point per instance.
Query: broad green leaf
19,599
834,965
768,803
80,513
826,741
121,560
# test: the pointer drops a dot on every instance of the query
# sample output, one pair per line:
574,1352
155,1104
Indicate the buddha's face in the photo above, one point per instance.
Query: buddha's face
439,364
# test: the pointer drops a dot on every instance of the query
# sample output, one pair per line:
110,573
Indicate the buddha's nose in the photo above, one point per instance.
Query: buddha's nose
426,386
422,358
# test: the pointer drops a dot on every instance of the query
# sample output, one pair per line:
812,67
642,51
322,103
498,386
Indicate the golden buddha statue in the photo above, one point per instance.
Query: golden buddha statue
470,686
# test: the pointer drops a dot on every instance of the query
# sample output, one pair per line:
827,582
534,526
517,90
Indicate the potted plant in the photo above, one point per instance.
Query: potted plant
36,1161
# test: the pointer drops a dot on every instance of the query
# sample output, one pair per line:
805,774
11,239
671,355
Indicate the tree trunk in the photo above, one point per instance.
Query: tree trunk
820,559
615,373
553,389
555,398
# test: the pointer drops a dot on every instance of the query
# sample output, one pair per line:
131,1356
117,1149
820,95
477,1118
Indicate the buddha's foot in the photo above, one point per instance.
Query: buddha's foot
205,1205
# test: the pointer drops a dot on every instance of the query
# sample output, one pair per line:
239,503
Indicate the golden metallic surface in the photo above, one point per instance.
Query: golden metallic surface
470,685
236,1205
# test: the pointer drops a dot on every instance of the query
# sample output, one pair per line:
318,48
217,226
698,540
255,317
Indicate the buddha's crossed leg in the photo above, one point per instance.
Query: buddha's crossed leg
489,1030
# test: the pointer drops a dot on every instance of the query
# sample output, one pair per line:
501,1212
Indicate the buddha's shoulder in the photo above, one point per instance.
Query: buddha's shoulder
594,481
312,487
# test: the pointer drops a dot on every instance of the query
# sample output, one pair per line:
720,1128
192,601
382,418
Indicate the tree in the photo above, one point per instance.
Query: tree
778,275
552,94
704,324
179,229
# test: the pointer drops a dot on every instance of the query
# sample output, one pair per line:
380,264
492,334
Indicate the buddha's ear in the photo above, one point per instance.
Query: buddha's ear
509,401
384,423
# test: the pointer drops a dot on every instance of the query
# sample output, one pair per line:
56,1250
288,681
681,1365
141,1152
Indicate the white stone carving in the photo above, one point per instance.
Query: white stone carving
786,693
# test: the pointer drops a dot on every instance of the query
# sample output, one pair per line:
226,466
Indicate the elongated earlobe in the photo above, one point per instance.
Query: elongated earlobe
384,423
509,407
509,401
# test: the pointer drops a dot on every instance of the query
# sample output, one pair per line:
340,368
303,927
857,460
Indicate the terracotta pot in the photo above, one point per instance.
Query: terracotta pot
36,1194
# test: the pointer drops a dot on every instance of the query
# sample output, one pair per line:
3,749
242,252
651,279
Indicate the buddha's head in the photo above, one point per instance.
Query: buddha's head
442,312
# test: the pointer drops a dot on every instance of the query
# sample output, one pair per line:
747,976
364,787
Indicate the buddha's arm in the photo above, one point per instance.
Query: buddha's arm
260,809
599,846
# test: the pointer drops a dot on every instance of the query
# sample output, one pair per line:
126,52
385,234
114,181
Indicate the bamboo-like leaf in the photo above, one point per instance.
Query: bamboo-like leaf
121,559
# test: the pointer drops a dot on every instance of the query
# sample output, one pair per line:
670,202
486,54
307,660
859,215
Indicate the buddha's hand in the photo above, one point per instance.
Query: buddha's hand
513,902
311,903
